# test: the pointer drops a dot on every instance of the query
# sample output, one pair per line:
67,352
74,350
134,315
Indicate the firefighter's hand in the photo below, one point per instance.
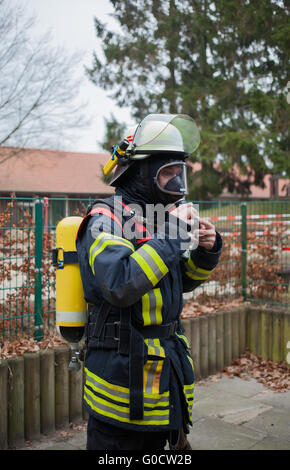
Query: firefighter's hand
188,214
206,234
185,212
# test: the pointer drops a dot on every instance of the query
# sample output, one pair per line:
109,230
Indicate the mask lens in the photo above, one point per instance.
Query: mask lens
171,178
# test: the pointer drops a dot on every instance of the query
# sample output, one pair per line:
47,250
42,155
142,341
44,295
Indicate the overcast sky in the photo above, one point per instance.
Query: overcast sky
71,23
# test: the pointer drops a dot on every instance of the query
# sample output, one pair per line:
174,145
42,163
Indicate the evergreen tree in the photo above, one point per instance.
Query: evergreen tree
223,62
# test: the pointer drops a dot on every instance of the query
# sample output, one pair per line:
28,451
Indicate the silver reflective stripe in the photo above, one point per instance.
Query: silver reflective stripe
115,393
71,316
154,347
121,413
152,307
151,262
101,387
198,274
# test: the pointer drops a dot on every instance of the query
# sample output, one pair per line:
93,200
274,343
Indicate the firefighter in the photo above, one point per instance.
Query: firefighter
139,385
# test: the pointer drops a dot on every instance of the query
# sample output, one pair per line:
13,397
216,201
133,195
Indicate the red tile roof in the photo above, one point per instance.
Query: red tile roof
38,171
53,172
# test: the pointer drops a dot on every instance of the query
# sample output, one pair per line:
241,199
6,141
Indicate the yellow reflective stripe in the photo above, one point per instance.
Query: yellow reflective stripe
196,268
150,263
102,241
159,305
184,338
112,387
195,277
100,389
154,347
122,413
196,273
119,393
159,261
190,360
152,307
189,396
188,391
146,309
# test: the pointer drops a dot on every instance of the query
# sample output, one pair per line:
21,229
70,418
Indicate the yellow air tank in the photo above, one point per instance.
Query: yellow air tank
70,303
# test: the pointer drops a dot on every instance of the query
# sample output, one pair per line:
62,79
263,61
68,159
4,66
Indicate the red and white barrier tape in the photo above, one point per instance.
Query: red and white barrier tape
272,222
251,216
236,234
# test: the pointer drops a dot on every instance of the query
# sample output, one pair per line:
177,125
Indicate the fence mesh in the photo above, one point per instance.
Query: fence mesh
254,265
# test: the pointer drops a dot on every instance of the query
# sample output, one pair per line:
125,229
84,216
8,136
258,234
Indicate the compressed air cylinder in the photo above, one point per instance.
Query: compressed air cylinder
70,302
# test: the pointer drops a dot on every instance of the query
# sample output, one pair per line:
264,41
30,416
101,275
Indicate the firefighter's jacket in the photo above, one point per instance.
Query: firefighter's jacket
145,380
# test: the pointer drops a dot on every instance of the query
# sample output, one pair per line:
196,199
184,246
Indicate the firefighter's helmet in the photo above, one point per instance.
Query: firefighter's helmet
174,135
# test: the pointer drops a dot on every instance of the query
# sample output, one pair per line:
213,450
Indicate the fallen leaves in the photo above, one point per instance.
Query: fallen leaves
195,309
21,346
273,375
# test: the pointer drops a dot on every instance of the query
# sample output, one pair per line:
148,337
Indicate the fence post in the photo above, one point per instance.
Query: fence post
38,325
244,249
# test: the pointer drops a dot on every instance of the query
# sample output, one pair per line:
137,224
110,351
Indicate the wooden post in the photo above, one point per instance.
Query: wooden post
4,405
242,330
16,402
277,354
203,346
235,333
220,341
228,338
47,391
254,330
31,396
286,342
212,344
75,396
62,355
265,334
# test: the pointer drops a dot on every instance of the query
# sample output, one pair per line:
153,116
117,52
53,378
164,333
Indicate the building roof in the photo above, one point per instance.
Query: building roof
54,172
37,171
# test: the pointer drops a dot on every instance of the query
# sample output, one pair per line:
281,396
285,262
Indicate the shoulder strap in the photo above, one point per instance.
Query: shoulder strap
100,206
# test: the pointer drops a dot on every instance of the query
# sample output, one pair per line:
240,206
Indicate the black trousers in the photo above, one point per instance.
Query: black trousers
103,436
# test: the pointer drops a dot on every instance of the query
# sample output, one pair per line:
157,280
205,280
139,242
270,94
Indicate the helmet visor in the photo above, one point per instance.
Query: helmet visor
171,178
167,132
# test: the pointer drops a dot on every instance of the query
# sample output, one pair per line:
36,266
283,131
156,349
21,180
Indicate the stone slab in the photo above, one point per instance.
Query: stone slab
243,388
214,434
242,416
269,443
274,423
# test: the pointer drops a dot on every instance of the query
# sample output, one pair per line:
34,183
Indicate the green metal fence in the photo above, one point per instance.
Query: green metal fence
255,263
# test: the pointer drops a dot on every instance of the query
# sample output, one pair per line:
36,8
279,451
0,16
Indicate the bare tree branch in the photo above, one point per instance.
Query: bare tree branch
39,88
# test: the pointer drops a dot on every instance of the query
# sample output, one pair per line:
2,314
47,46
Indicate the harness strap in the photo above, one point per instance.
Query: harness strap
136,363
112,334
69,257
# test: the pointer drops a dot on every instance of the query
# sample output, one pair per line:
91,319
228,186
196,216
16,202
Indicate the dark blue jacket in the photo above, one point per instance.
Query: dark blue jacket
149,383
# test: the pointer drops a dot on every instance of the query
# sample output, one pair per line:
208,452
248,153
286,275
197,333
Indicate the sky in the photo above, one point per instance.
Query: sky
71,25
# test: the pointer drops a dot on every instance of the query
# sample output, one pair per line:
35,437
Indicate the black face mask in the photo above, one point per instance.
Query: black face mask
174,185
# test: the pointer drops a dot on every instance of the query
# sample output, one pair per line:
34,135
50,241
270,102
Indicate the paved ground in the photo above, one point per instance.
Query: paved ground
231,414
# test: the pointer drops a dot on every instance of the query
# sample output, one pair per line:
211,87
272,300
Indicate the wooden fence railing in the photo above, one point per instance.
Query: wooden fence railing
38,393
